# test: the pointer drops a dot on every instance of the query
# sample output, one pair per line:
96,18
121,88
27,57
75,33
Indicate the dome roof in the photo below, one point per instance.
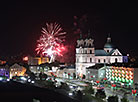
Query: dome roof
109,45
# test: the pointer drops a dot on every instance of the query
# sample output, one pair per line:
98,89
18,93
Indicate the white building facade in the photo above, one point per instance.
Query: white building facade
87,55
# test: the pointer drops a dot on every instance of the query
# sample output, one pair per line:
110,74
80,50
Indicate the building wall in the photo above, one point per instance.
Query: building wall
136,75
81,68
17,70
34,69
101,59
92,72
101,73
120,74
4,71
37,60
84,58
113,59
108,49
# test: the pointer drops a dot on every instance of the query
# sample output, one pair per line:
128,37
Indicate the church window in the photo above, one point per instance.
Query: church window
104,60
108,51
115,59
90,59
98,60
90,51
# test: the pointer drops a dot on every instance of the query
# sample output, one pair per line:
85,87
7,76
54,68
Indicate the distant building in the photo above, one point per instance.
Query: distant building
126,76
37,60
2,62
66,72
4,70
96,72
87,55
34,68
17,70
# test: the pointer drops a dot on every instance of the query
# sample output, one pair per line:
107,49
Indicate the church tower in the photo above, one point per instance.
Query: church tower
108,47
85,53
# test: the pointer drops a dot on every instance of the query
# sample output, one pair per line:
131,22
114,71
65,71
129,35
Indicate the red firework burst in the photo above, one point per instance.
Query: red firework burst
50,42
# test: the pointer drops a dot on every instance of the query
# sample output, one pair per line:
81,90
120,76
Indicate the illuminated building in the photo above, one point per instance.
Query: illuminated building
87,55
37,60
126,75
2,62
97,72
4,70
17,70
64,72
120,74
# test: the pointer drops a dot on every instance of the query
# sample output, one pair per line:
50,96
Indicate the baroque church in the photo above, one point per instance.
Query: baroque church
87,55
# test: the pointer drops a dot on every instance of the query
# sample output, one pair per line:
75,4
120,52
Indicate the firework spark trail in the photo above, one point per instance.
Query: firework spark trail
50,42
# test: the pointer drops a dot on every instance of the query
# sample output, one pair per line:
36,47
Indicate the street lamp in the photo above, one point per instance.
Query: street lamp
105,79
68,75
134,94
97,82
113,87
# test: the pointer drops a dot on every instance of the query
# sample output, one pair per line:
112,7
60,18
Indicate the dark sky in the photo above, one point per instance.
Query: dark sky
21,23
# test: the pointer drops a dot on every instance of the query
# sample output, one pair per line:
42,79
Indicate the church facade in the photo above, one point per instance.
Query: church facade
87,55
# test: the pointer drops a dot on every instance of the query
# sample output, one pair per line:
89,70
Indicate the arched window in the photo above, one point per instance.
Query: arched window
108,51
90,51
90,59
98,60
104,60
116,60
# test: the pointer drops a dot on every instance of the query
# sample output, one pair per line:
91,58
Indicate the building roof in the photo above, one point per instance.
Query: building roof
100,53
103,53
96,66
109,45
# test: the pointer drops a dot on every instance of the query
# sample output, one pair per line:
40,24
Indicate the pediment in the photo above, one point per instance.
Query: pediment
116,52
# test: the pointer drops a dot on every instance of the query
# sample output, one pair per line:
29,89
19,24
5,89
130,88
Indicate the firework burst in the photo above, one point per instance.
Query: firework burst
50,42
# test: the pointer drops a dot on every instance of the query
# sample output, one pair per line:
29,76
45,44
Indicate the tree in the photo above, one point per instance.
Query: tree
100,94
64,86
50,85
89,90
79,95
31,74
113,99
124,99
42,76
74,75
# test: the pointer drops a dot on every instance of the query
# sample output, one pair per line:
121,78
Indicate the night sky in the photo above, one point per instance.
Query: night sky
21,23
